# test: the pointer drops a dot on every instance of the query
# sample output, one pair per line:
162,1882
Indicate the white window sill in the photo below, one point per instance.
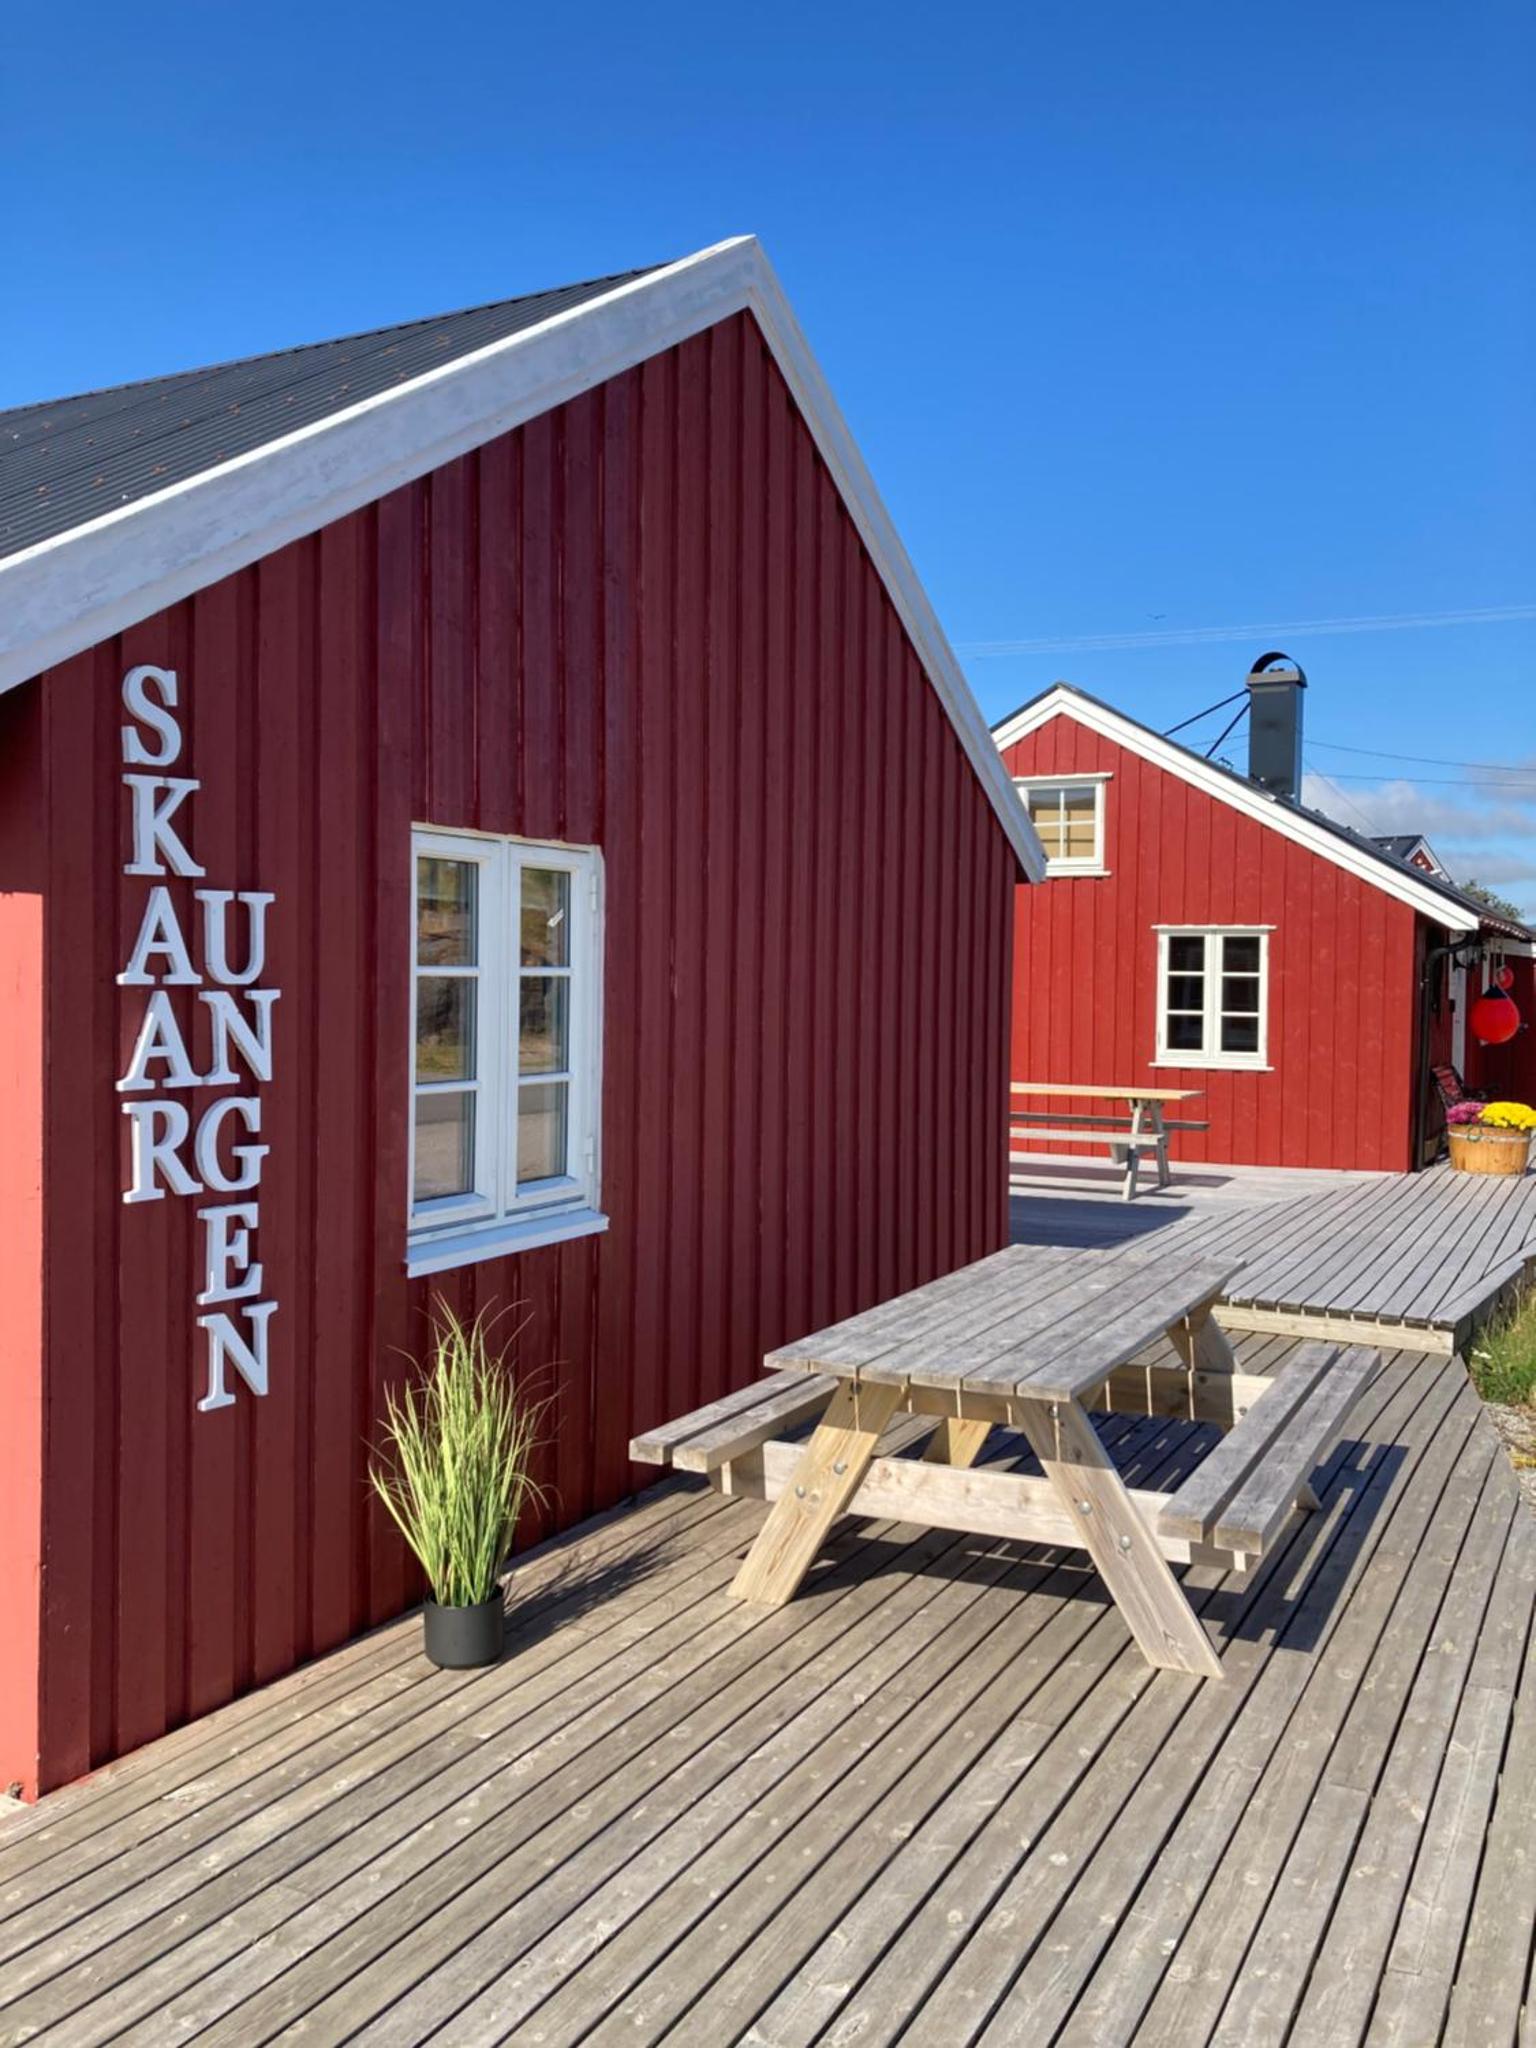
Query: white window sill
1055,872
1206,1065
499,1240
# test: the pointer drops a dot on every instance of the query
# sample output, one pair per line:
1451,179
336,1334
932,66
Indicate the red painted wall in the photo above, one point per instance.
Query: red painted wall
22,870
643,622
1341,979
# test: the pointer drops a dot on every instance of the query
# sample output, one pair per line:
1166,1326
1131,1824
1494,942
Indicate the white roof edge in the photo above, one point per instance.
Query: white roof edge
80,587
1062,699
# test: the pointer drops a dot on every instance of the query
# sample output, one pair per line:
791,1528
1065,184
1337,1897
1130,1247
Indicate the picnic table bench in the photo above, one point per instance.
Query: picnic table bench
1139,1127
1032,1340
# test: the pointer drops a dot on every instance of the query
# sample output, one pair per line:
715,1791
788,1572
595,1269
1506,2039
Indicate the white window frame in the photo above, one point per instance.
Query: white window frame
497,1215
1211,1054
1094,778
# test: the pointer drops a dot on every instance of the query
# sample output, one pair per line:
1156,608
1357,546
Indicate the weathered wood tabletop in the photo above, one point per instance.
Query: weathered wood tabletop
1018,1337
1045,1325
1132,1094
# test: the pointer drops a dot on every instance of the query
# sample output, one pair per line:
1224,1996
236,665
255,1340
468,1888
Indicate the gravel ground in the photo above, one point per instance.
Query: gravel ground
1517,1426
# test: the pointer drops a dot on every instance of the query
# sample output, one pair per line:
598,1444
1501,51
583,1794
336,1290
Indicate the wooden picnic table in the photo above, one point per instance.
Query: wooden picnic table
1030,1339
1140,1127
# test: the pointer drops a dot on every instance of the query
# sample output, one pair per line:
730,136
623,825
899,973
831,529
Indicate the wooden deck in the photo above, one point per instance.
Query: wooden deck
661,1819
1406,1259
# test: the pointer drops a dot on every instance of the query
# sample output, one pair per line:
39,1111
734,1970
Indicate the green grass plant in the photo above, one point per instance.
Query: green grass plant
1503,1356
453,1471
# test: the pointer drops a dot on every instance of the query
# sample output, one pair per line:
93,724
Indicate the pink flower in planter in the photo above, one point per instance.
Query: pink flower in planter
1463,1113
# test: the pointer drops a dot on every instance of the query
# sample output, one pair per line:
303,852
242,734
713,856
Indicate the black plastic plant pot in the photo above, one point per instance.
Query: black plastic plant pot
462,1638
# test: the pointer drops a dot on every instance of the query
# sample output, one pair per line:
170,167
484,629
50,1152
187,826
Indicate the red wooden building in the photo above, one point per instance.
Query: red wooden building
487,809
1203,929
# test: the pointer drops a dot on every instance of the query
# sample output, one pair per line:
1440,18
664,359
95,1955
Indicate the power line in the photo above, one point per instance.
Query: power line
1516,788
1312,769
1195,636
1432,760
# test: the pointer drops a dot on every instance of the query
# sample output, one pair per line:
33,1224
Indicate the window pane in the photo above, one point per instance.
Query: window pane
543,1046
445,1145
445,1027
1186,991
1081,836
1044,807
541,1130
1240,992
445,912
546,923
1186,1034
1187,955
1239,1034
1079,798
1242,956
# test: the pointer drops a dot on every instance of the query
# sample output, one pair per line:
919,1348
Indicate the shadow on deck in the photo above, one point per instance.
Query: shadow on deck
940,1796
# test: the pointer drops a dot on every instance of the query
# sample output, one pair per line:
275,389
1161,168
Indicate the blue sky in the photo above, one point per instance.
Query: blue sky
1152,322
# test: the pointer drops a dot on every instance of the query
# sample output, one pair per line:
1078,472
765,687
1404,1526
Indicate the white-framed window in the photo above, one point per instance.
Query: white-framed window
1067,811
1213,996
506,1045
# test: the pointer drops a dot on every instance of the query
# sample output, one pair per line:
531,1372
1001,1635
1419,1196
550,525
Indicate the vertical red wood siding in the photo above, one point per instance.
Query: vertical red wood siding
643,622
23,868
1339,1092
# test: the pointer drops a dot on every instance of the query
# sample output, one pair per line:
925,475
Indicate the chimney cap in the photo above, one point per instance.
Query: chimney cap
1265,670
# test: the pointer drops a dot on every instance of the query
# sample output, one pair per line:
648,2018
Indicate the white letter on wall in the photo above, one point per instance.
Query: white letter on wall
254,1044
216,936
249,1360
153,1153
159,1039
153,832
160,932
136,696
205,1147
229,1253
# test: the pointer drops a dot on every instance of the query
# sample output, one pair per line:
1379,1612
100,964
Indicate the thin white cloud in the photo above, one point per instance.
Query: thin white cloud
1480,835
1404,806
1498,870
1200,636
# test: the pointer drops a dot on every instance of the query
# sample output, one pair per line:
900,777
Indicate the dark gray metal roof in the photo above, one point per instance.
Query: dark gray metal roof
69,460
1378,849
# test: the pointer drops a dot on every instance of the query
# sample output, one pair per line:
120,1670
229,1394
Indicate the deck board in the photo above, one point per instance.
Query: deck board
1397,1252
939,1794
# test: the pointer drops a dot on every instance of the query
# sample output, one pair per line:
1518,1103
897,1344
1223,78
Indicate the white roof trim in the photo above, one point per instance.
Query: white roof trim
78,588
1242,796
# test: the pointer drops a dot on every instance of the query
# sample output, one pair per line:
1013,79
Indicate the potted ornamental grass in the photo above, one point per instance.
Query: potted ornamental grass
453,1472
1490,1137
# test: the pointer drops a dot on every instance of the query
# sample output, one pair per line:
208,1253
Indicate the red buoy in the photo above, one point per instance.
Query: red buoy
1494,1018
1505,978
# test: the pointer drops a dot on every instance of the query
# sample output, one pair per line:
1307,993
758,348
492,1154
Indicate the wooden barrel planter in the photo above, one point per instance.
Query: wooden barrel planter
1480,1148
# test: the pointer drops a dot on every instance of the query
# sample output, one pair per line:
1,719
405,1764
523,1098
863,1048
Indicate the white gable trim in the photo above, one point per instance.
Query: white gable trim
1242,796
80,587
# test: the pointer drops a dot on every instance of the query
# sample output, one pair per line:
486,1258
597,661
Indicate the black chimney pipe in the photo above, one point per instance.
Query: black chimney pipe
1275,684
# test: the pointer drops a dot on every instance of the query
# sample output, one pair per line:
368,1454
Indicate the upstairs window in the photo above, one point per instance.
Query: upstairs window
1213,997
506,1047
1067,811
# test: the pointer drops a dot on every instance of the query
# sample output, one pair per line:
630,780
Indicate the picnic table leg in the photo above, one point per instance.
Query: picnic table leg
1207,1353
1159,1131
829,1474
1202,1343
1116,1537
1132,1155
957,1441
